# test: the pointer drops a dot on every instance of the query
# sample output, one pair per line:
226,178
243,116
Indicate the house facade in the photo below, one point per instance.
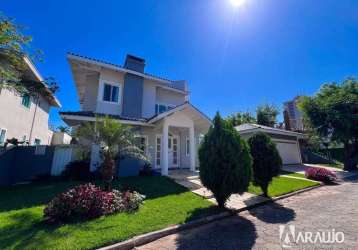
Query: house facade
168,127
26,117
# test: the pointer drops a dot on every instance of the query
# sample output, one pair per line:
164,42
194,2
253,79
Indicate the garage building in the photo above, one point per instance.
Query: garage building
287,142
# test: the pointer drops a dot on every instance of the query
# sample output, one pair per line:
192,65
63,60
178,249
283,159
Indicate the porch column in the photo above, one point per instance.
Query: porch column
164,155
192,148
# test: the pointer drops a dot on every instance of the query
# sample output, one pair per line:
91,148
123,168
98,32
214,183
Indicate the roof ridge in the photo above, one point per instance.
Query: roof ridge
118,65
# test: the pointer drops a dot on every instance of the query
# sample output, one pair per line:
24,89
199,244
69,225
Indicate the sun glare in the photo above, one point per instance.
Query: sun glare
237,3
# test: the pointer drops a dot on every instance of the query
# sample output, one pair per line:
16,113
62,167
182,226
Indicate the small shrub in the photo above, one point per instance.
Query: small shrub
88,201
320,174
225,161
267,161
77,171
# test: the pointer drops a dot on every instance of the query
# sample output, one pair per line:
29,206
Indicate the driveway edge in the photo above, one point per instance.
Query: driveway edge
152,236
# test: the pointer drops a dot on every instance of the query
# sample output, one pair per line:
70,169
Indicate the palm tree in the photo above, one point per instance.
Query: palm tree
116,141
64,129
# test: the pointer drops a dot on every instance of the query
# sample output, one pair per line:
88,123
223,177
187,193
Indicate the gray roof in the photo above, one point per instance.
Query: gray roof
247,127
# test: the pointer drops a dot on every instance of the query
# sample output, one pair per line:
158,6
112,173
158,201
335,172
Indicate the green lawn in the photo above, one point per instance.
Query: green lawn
283,185
283,172
338,165
21,211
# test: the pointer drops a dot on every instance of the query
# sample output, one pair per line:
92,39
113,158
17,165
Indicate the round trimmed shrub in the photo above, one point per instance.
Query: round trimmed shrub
267,162
88,202
225,161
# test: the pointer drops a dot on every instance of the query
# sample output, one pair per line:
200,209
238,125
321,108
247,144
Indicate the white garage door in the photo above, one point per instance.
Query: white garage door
289,152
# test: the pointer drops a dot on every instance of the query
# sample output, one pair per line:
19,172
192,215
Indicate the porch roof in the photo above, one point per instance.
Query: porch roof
71,117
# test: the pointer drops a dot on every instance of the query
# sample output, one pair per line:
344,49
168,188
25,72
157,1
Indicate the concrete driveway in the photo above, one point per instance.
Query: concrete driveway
324,209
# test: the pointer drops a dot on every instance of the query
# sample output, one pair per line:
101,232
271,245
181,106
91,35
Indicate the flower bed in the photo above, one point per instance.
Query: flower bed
320,174
88,201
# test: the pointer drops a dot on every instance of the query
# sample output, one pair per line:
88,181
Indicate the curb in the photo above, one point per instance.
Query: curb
152,236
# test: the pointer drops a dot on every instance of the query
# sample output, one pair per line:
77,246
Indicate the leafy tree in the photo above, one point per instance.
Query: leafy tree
333,113
14,48
225,161
286,119
266,115
240,118
267,162
116,141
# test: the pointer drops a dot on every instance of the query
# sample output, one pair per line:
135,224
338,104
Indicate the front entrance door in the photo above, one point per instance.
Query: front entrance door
173,149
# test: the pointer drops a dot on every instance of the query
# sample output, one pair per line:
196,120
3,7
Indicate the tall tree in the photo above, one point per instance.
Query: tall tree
116,141
333,113
267,161
266,115
286,120
225,161
240,118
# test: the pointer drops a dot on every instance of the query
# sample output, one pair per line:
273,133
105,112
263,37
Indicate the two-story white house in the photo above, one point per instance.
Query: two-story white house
26,117
169,126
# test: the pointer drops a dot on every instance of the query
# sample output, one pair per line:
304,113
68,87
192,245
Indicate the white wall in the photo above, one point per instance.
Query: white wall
112,77
17,119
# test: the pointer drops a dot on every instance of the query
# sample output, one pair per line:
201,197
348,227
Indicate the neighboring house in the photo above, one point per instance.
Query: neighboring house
25,117
287,142
293,117
61,138
168,126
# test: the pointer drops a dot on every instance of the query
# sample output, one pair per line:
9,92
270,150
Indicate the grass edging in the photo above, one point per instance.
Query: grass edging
155,235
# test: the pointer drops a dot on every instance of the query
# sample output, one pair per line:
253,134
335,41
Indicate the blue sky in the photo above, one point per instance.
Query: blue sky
266,51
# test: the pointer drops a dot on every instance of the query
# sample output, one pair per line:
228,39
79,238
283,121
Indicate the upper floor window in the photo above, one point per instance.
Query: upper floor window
110,93
26,101
160,108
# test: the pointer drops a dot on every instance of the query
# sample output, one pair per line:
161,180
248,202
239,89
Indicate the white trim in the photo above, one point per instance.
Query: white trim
273,131
40,78
176,109
102,83
1,129
178,151
87,118
117,68
187,140
156,151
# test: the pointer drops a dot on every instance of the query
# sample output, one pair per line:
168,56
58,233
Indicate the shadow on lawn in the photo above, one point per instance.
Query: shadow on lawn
235,232
23,231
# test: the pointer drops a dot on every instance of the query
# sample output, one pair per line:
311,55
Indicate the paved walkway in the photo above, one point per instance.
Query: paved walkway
326,208
191,181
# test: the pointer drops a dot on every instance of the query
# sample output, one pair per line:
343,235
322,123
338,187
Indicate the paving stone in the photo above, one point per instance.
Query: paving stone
319,209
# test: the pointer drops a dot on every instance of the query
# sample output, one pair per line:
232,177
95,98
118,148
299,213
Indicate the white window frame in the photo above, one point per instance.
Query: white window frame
187,146
156,151
168,107
1,129
113,84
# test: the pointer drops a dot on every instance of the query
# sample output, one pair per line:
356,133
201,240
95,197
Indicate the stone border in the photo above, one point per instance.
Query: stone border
155,235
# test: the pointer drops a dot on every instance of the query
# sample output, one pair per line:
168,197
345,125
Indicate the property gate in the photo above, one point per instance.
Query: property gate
62,156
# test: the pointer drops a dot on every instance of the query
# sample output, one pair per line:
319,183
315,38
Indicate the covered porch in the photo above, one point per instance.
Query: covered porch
179,133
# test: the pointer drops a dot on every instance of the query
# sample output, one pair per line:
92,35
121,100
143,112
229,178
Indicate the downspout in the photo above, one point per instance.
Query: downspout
33,119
